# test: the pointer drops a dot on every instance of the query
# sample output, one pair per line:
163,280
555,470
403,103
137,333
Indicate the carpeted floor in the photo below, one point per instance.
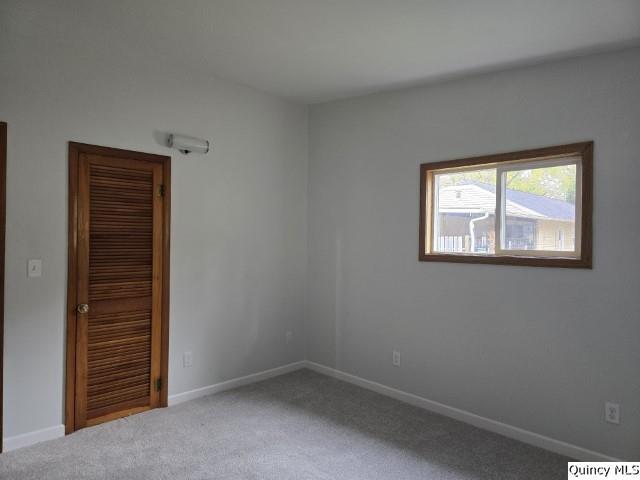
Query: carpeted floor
298,426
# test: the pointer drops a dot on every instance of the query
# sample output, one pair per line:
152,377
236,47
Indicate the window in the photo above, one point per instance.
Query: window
521,208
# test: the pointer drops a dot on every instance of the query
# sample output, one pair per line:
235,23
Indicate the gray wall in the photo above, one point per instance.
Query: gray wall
540,349
238,244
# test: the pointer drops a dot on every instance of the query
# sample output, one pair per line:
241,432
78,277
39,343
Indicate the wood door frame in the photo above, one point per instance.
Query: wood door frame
3,218
75,149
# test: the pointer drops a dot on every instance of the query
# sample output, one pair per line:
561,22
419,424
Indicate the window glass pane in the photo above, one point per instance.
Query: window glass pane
464,214
540,209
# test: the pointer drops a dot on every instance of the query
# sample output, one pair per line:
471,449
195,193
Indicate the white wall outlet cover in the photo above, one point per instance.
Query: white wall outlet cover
34,268
396,358
288,336
187,359
612,412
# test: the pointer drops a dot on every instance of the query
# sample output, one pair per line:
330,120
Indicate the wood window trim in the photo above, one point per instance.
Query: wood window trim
3,212
585,260
75,149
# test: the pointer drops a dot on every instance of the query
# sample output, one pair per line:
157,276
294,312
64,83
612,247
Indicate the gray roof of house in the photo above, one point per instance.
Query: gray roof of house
479,197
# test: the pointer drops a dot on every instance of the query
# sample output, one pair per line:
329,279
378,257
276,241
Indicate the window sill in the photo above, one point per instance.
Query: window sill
557,262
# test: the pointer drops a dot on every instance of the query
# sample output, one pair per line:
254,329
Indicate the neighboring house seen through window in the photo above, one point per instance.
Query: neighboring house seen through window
525,208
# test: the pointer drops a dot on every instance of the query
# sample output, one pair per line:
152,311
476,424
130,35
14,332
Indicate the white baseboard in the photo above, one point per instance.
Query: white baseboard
525,436
30,438
26,439
234,382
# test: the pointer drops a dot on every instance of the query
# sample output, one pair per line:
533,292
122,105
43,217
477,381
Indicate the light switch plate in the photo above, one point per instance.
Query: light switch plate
34,268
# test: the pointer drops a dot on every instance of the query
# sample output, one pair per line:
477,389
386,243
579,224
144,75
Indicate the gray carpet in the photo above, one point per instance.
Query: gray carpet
298,426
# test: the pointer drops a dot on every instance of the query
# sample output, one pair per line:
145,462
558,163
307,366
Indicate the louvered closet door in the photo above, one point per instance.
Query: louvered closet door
119,286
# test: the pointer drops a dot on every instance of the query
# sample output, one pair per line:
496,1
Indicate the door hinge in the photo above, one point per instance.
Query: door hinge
161,190
158,384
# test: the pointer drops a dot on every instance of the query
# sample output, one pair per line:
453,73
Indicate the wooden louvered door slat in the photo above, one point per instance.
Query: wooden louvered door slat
119,276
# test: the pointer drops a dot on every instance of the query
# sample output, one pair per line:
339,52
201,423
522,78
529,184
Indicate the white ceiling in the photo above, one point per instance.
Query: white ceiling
318,50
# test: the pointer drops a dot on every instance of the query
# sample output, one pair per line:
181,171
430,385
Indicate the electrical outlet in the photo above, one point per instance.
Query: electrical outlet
396,358
612,412
288,336
187,359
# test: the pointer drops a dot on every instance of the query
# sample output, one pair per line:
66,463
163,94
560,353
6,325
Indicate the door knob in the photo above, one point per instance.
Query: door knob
83,308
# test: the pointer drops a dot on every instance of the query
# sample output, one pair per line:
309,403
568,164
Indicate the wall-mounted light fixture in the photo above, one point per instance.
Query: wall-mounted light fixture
187,144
